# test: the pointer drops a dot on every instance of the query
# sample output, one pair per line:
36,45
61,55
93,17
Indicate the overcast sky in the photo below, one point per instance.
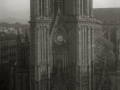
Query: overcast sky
20,8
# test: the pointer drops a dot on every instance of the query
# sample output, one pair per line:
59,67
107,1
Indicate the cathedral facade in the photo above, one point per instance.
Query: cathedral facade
70,49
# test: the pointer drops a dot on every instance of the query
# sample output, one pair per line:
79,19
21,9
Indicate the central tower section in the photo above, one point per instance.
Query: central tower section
48,8
61,33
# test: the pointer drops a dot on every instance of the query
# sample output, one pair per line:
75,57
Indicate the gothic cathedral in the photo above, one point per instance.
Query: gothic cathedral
70,49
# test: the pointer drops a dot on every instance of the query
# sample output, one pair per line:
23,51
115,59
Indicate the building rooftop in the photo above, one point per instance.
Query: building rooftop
107,14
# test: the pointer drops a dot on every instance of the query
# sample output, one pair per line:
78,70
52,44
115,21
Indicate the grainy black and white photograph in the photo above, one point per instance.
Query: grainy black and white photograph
59,44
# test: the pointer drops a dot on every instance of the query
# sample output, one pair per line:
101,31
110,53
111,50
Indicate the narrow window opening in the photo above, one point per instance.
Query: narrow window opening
41,7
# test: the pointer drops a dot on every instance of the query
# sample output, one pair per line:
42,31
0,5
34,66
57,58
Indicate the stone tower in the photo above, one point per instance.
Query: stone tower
62,44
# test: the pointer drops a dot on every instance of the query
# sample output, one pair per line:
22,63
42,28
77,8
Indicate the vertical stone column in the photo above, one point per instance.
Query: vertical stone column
48,57
36,60
36,46
86,44
68,9
82,44
45,46
41,8
89,57
32,57
78,56
77,53
71,7
82,7
78,46
74,7
52,6
80,78
47,7
65,6
87,7
92,58
37,8
74,44
79,7
48,45
93,44
40,45
91,8
45,3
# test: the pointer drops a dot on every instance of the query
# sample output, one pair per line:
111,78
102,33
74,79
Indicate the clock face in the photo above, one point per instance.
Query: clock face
59,38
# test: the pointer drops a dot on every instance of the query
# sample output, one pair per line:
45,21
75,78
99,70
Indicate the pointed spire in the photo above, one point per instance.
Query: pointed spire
26,32
18,32
26,38
18,37
59,5
105,63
